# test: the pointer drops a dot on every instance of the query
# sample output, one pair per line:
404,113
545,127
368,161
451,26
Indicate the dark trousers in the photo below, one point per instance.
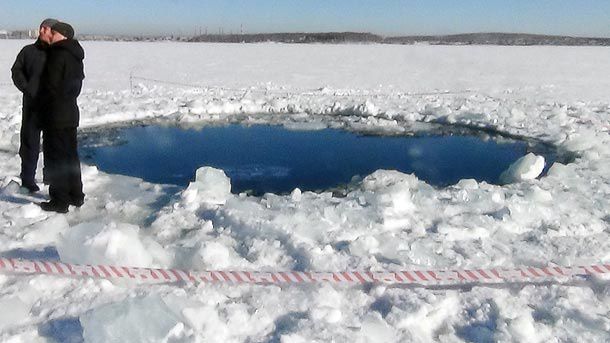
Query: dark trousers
62,165
29,147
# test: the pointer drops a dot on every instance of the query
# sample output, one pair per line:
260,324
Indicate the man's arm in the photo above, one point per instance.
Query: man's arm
18,75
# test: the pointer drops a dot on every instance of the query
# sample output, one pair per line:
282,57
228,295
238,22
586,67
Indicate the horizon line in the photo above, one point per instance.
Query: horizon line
341,31
180,33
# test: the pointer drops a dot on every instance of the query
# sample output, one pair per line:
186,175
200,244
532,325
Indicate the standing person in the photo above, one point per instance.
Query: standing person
61,84
26,72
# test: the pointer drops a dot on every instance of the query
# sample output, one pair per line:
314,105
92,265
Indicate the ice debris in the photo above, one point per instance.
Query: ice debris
527,167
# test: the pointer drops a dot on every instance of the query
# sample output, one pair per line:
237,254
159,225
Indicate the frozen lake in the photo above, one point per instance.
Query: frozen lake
390,221
262,158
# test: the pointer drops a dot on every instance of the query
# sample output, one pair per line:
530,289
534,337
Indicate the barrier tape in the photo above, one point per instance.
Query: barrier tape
411,277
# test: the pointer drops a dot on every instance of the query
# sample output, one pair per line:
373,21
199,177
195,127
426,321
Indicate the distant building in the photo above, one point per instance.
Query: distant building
3,34
22,34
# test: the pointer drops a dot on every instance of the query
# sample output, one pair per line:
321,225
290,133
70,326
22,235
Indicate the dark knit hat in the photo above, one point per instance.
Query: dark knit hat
65,29
49,22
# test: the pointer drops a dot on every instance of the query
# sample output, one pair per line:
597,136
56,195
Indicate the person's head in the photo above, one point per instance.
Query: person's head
61,31
44,31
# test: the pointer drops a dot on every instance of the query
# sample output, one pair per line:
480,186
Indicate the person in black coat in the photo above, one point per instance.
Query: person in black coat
61,84
26,73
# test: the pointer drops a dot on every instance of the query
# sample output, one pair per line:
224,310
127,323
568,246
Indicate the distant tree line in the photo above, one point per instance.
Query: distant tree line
324,37
498,39
347,37
363,37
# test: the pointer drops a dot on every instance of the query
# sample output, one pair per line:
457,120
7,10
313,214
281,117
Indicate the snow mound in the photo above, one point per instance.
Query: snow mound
527,167
212,255
115,244
145,319
392,194
211,186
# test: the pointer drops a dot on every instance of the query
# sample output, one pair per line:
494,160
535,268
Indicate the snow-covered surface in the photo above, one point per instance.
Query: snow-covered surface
390,221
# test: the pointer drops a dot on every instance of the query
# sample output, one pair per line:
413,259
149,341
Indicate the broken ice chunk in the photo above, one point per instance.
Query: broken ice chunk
527,167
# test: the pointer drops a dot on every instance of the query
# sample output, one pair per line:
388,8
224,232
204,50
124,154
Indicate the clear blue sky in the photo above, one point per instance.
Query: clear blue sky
387,17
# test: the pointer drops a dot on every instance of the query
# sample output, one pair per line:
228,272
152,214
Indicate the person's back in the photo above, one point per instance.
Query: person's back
61,84
26,73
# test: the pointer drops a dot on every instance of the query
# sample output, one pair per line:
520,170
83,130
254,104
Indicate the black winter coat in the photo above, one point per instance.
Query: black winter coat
27,70
61,84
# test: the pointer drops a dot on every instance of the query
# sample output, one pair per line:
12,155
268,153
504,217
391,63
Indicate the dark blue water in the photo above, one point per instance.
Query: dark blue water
273,159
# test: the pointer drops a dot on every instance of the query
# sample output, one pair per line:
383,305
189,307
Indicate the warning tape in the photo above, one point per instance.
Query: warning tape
412,277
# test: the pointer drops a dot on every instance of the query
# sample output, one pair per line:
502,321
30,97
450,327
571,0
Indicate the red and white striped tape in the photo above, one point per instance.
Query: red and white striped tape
414,277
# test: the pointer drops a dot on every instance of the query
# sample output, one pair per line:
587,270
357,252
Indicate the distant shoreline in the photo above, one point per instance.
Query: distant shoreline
507,39
487,38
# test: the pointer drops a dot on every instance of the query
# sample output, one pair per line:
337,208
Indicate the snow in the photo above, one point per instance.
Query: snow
19,312
109,244
389,220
